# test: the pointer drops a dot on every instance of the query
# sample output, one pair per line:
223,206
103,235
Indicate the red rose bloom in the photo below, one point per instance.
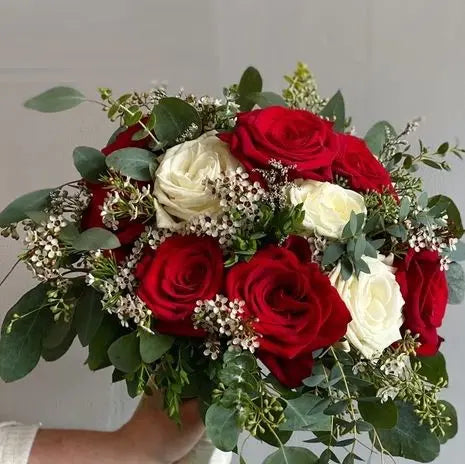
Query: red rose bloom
424,288
360,167
293,137
128,231
181,271
298,310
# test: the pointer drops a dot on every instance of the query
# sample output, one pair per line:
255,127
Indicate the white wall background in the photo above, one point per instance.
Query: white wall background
394,60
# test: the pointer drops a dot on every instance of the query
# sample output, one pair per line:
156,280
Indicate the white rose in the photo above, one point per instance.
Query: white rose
179,180
375,303
327,206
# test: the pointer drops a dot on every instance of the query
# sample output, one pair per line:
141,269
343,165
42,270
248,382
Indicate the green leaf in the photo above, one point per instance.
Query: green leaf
124,353
336,408
335,111
18,209
269,437
154,346
132,162
58,340
96,238
90,163
266,99
404,208
443,148
55,100
317,377
109,331
360,246
442,203
173,117
21,348
222,428
459,253
456,283
250,83
451,430
432,367
69,233
409,439
380,415
376,136
306,413
292,455
332,253
89,315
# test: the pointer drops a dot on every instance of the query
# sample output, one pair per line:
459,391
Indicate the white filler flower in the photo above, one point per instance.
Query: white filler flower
180,179
375,303
327,206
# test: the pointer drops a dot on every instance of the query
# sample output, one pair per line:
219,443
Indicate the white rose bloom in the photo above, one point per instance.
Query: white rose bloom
179,180
375,303
327,206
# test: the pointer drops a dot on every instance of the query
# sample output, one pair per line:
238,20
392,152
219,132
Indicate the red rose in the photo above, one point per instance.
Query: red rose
424,288
360,167
181,271
293,137
298,310
128,231
300,247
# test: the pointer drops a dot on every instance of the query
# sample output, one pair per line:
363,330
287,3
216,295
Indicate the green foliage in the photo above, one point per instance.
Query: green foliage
432,367
88,315
55,100
222,427
408,438
443,204
132,162
58,340
124,353
250,85
306,413
456,283
380,415
174,118
266,99
90,163
153,346
96,238
23,332
377,135
109,331
292,455
18,209
449,431
335,111
459,253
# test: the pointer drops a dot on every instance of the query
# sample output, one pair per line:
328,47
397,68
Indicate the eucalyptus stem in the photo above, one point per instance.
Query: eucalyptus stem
9,272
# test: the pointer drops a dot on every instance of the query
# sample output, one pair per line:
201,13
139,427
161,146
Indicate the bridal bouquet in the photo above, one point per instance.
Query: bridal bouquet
253,252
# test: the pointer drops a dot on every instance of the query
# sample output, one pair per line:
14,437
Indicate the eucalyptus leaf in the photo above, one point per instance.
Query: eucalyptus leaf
250,84
266,99
20,347
124,353
380,415
53,353
450,431
292,455
96,238
409,439
432,367
376,136
456,283
132,162
88,315
332,253
18,209
173,117
335,111
90,163
404,208
154,346
222,428
459,253
306,413
446,204
55,100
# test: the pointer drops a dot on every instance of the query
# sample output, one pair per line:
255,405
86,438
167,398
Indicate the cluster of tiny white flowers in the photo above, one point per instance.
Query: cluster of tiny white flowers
318,246
387,393
76,201
395,366
189,133
130,307
222,227
216,113
43,247
222,318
